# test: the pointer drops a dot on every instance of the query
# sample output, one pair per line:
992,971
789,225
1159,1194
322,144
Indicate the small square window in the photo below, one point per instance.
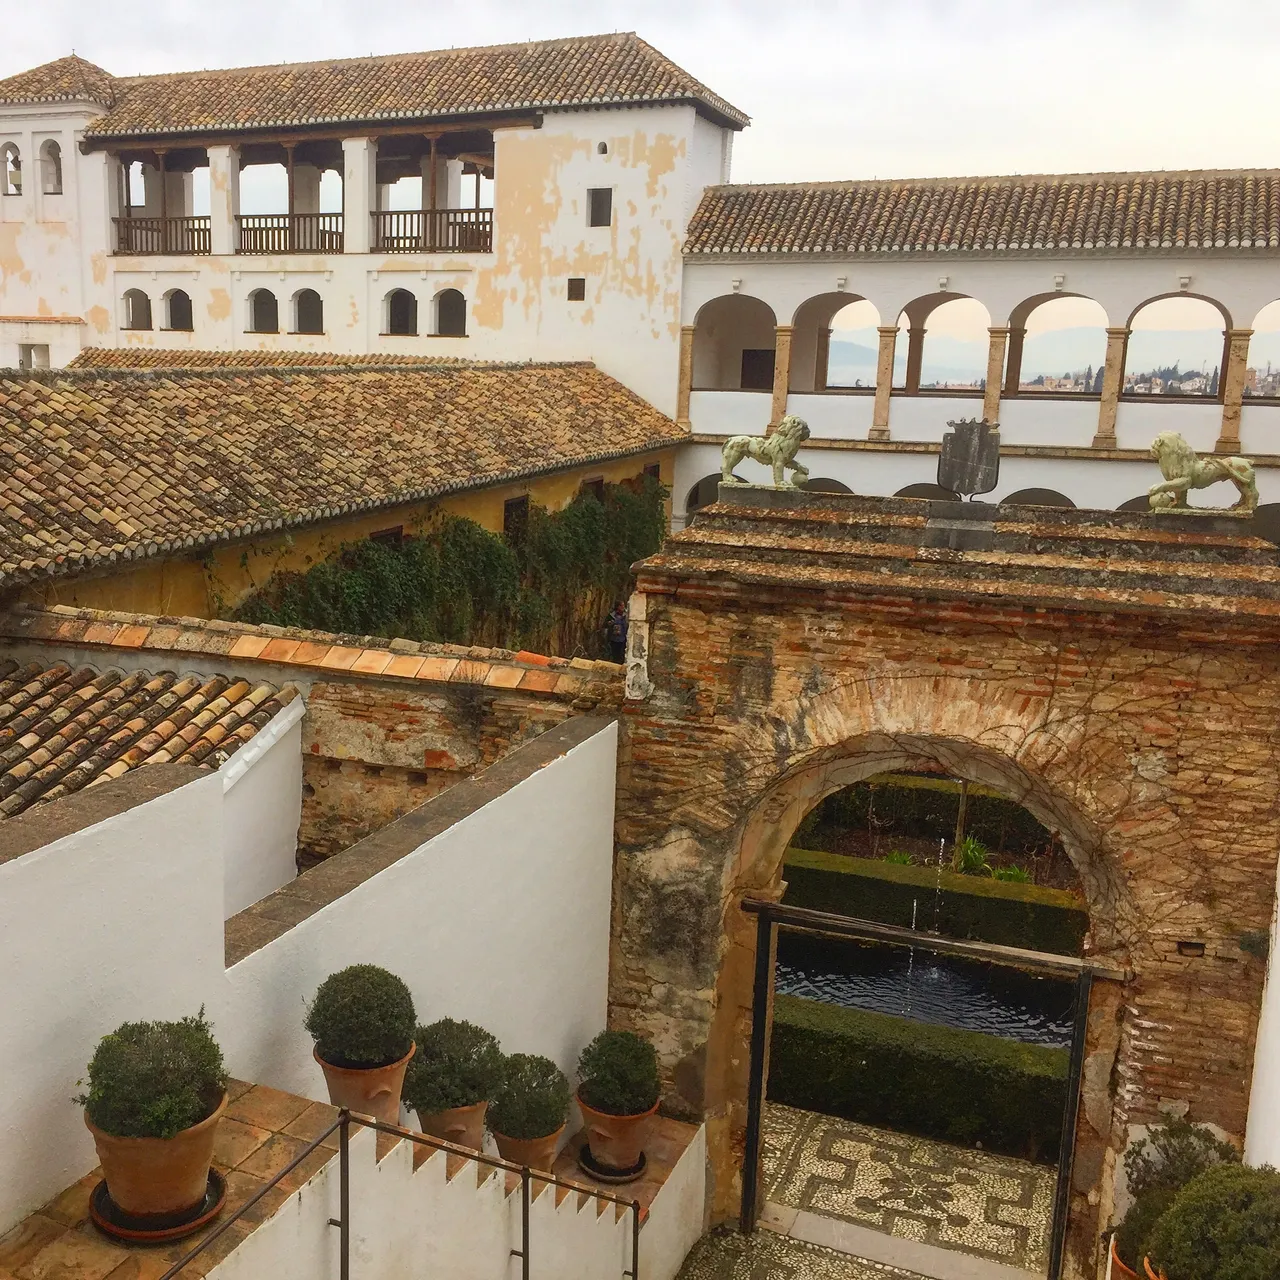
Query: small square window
389,537
654,471
577,288
595,488
599,206
33,355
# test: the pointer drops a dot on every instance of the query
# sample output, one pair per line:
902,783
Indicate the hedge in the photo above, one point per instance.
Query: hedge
976,907
927,808
956,1086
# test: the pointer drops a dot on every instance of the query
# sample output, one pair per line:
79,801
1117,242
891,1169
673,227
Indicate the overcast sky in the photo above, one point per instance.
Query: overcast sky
839,89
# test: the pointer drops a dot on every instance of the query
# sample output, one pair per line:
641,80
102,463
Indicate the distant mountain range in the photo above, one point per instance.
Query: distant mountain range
1056,353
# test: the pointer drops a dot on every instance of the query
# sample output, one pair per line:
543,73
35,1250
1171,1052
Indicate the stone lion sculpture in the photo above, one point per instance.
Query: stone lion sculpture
1183,471
777,451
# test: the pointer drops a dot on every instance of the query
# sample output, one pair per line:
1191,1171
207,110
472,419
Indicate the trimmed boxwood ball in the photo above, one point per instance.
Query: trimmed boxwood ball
1223,1225
1134,1232
619,1073
457,1065
155,1079
532,1098
362,1017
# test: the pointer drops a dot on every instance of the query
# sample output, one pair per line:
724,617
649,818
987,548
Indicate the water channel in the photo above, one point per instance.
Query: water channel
913,983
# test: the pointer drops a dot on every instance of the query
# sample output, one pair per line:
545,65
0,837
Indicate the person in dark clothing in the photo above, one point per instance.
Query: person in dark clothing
615,630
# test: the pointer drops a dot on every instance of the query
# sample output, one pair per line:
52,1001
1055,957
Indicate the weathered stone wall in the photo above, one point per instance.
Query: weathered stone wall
1150,745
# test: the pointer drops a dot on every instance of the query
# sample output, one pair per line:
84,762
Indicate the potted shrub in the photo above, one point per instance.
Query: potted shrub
529,1110
1171,1154
362,1022
452,1079
1223,1225
156,1093
619,1098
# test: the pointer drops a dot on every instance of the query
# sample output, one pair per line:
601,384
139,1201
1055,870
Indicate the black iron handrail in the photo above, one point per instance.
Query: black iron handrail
343,1222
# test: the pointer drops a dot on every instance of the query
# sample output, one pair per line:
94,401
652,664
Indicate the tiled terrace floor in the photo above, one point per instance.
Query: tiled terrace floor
260,1132
726,1255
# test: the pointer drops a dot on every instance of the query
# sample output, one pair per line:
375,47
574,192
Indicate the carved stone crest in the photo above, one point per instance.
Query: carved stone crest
970,459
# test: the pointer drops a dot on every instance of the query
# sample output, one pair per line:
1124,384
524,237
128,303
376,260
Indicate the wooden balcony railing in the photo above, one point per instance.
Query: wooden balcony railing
162,235
290,232
433,231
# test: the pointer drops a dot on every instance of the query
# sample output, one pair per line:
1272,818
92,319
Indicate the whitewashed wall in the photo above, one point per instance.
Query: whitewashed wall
502,919
1262,1133
119,922
418,1225
262,805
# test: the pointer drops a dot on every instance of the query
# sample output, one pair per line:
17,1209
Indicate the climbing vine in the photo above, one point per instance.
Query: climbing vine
549,588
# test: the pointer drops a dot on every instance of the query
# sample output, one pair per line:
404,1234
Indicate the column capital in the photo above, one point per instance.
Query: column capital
1235,334
784,328
1118,331
997,329
885,329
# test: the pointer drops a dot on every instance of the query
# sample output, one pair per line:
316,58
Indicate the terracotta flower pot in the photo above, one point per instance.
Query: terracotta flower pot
1118,1269
616,1142
463,1126
148,1176
1152,1273
537,1153
372,1091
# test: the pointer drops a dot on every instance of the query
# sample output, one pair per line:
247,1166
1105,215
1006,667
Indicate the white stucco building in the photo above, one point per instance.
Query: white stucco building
574,204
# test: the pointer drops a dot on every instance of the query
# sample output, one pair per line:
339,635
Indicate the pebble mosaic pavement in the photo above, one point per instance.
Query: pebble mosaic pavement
990,1206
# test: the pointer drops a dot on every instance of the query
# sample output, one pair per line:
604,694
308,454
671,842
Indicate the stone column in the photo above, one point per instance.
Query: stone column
1013,364
224,199
684,387
884,382
781,373
1233,390
915,358
995,374
1112,382
822,358
359,174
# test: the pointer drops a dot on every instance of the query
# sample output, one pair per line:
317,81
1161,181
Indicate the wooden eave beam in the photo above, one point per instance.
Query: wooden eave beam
132,142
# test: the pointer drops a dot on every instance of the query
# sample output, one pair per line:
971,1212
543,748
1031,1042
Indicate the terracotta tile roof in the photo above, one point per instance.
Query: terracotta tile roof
65,727
69,79
313,655
166,358
1205,209
100,466
585,71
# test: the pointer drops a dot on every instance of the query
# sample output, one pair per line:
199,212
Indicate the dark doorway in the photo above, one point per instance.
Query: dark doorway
757,369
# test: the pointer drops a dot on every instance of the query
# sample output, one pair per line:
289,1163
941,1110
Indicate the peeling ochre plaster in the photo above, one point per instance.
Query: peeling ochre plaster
219,307
99,318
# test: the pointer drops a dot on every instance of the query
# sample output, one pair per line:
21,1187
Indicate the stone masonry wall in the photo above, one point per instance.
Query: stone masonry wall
1150,745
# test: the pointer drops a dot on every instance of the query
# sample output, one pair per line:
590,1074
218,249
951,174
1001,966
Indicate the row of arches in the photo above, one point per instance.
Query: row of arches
1057,345
50,156
306,312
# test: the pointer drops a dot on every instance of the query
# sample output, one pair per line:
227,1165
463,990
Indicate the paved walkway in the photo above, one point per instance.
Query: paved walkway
845,1201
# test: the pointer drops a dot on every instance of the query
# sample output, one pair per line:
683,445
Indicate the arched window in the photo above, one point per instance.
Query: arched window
1057,346
451,314
10,170
1262,376
823,484
308,312
1175,348
733,345
946,347
179,309
51,168
928,492
137,309
402,312
1037,498
264,312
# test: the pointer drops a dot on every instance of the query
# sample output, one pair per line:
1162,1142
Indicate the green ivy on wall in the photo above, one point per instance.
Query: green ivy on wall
549,590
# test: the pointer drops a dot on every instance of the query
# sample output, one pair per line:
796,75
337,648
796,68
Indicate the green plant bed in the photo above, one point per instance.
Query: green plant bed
955,1086
960,906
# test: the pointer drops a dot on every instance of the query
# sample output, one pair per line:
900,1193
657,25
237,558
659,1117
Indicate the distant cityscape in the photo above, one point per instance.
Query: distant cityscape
1171,381
1262,382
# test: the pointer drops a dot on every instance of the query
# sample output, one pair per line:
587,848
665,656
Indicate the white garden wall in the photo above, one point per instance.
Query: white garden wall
262,805
420,1225
1262,1135
502,918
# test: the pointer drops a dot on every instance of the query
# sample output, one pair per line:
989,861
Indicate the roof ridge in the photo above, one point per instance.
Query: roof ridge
371,59
88,372
848,184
